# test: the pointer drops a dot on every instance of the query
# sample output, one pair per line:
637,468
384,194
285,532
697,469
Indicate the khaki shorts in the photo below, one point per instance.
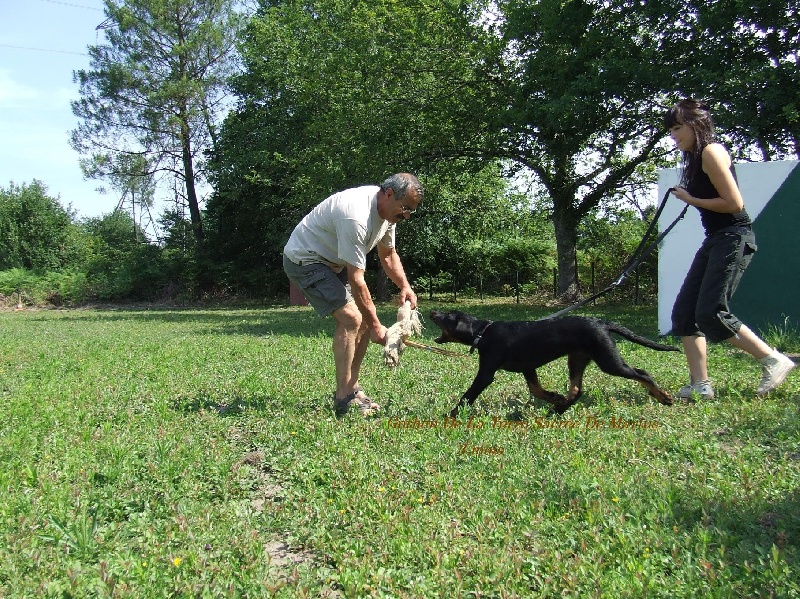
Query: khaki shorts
325,290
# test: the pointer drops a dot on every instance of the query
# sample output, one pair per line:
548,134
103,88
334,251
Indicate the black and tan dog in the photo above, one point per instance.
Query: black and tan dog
523,346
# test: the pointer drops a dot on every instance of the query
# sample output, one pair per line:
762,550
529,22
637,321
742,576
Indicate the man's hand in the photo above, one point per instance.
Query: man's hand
377,334
407,294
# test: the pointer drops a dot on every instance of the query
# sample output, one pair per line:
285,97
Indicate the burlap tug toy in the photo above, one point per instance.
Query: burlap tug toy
408,323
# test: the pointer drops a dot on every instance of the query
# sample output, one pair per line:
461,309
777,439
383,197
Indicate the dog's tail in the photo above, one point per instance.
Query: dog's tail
631,336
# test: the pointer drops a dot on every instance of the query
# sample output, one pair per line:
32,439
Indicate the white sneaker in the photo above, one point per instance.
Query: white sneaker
774,370
702,388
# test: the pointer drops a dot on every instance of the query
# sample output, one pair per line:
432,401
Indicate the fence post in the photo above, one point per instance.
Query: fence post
430,288
636,288
555,282
480,286
517,287
453,277
577,274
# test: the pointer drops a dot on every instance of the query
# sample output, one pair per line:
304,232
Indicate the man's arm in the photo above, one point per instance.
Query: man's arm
363,299
390,261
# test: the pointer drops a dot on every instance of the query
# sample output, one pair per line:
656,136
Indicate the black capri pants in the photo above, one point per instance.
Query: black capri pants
702,305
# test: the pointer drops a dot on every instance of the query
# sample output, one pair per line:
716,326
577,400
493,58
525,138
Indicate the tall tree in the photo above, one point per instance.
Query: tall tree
157,89
339,91
347,88
582,113
133,178
553,87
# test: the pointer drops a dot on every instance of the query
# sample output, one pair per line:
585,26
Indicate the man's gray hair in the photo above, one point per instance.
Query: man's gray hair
402,183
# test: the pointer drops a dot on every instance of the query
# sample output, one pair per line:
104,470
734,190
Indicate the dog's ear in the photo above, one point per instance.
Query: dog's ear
464,328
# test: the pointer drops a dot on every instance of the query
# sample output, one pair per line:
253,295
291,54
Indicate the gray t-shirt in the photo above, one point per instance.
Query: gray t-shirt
341,230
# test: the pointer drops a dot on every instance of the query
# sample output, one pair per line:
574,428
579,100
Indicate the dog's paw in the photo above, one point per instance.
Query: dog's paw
662,397
564,404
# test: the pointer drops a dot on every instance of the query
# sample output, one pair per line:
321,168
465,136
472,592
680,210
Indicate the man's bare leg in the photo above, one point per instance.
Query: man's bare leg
349,348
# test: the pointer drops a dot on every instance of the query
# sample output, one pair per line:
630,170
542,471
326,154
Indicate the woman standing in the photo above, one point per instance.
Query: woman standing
701,311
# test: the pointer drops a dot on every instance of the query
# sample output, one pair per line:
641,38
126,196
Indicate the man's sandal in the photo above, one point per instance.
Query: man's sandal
365,405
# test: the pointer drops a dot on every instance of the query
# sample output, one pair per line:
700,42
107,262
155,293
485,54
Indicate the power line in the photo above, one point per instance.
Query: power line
73,5
43,50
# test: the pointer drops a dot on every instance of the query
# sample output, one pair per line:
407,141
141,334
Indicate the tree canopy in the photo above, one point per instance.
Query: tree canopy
472,96
337,93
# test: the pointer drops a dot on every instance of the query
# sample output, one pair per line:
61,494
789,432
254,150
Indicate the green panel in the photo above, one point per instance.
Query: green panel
770,288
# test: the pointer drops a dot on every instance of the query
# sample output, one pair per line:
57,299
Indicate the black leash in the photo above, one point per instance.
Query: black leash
638,256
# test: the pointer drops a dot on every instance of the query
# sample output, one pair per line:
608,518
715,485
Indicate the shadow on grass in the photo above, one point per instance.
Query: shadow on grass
302,407
748,530
233,321
235,407
299,321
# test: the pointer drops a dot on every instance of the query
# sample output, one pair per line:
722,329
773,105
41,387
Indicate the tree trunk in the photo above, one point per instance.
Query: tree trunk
191,191
566,230
382,286
763,145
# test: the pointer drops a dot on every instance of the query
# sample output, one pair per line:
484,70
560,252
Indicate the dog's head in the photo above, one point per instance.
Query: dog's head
456,326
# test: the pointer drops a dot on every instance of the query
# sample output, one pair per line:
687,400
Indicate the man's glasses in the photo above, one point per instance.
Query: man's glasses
407,210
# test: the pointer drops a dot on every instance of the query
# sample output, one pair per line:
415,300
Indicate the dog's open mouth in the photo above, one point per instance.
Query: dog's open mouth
435,316
444,337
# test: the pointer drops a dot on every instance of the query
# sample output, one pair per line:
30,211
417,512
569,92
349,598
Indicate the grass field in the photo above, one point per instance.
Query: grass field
194,453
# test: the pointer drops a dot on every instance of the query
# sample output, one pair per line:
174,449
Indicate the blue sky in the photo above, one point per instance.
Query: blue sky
41,43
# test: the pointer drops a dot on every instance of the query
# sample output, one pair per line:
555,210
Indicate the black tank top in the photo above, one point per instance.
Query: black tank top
701,187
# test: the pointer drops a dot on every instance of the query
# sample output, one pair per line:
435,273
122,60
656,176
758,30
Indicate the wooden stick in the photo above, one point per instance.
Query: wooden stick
436,350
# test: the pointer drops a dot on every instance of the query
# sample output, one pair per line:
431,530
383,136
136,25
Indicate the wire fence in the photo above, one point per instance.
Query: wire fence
641,287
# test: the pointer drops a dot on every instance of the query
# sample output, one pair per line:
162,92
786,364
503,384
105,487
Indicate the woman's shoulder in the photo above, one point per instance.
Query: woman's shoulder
716,150
716,153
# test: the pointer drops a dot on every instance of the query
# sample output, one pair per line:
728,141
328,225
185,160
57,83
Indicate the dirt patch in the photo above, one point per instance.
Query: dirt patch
284,558
266,488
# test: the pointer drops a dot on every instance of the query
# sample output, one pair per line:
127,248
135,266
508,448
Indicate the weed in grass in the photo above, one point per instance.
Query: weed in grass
785,336
76,534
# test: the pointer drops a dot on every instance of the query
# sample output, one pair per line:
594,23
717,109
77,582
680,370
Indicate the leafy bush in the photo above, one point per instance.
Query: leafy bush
36,232
107,263
68,288
606,243
16,279
122,267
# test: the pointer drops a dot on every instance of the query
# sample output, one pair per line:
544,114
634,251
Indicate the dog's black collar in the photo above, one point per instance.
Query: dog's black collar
478,337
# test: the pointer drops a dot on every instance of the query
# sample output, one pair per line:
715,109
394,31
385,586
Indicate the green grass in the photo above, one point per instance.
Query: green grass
194,453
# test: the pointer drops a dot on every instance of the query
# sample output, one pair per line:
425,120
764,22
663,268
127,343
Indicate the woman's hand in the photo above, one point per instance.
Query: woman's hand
683,195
